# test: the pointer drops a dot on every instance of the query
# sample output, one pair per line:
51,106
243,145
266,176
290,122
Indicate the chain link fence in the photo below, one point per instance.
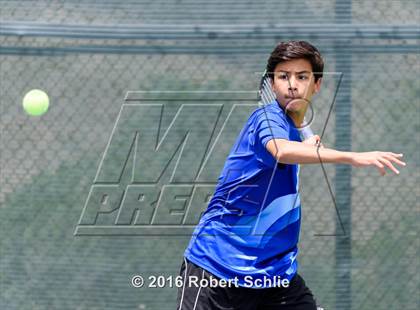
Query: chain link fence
48,164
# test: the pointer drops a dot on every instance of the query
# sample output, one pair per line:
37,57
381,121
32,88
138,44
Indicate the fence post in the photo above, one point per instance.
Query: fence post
343,190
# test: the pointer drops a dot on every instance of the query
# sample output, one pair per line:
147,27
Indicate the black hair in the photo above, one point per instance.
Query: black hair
285,51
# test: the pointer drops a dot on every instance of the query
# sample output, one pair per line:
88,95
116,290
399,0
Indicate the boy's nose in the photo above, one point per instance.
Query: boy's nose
292,87
293,91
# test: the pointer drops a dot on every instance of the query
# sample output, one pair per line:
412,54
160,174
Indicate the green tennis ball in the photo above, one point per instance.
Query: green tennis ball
36,102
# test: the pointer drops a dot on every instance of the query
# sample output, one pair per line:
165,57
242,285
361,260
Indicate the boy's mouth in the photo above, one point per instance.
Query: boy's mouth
293,98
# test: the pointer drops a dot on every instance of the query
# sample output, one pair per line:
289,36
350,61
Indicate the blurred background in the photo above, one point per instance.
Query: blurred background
88,54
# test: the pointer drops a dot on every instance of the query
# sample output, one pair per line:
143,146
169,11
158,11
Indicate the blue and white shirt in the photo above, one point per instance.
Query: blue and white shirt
251,226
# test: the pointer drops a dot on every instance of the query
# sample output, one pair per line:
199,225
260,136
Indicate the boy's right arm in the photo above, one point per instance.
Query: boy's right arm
292,152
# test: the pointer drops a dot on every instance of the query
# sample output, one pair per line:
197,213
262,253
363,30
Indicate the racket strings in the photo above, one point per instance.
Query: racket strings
266,93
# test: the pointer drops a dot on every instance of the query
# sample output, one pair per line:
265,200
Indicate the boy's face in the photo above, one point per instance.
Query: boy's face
294,79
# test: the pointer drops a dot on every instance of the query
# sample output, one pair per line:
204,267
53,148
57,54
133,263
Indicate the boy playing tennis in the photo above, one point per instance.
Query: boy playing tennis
243,252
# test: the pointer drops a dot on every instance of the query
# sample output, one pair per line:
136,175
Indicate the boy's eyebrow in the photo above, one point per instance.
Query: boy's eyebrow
300,72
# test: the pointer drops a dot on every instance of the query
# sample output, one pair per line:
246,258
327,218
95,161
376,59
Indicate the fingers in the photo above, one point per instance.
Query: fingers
380,167
381,160
387,163
315,140
395,159
386,159
318,141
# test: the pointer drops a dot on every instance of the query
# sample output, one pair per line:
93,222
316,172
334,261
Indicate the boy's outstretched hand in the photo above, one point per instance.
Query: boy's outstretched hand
378,159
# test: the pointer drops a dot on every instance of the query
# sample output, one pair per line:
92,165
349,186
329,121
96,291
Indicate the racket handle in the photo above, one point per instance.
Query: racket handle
306,132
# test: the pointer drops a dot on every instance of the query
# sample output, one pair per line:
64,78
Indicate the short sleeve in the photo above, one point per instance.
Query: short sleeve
271,126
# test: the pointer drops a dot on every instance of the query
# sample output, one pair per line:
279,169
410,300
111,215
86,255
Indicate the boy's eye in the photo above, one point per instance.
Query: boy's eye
282,76
303,77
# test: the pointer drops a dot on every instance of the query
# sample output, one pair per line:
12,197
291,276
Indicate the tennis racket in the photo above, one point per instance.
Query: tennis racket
267,96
